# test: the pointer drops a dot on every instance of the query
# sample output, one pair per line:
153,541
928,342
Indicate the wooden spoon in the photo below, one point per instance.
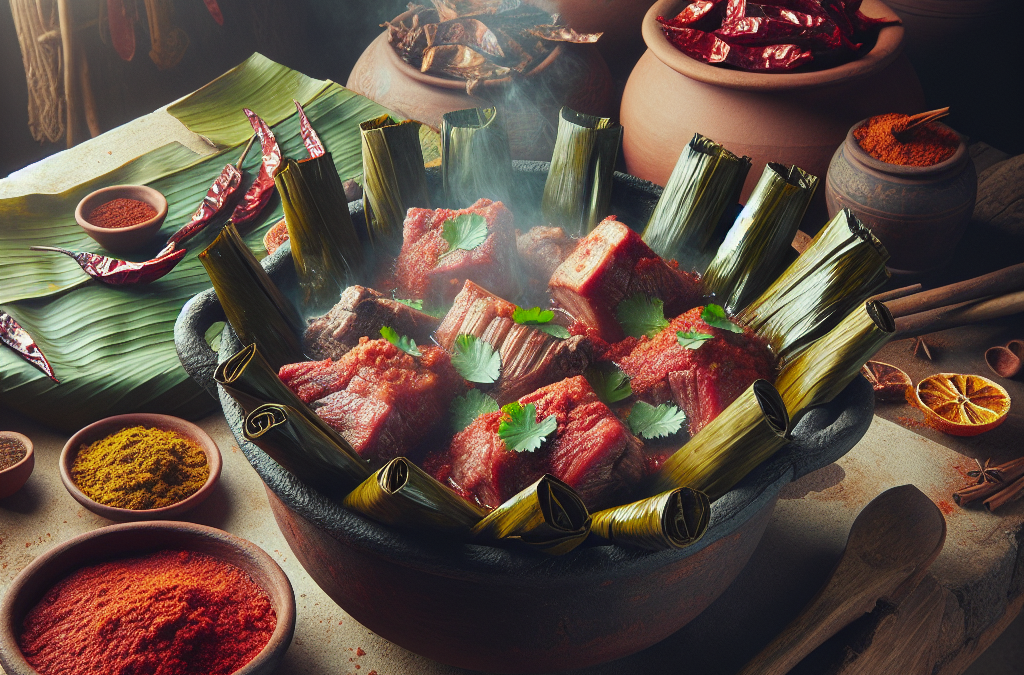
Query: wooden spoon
903,132
892,542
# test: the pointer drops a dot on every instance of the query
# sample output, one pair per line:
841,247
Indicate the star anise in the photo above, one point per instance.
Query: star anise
921,346
986,473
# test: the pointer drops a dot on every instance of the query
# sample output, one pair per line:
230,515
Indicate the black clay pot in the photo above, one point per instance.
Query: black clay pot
517,611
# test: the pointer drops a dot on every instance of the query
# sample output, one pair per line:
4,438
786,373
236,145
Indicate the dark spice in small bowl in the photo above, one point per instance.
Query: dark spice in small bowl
12,451
121,212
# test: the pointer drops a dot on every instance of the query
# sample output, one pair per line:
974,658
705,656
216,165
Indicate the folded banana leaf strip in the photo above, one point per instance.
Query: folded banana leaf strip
548,516
755,247
403,495
674,519
475,157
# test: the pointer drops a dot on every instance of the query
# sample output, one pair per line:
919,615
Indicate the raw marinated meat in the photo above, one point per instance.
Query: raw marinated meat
472,311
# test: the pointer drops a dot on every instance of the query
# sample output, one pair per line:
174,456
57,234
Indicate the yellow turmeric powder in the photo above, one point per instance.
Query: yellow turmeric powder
139,468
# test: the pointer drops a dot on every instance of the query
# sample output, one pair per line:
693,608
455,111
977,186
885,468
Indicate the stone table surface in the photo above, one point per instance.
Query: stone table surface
978,578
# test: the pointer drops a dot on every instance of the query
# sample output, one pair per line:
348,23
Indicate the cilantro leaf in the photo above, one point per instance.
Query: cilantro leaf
467,408
475,359
560,332
406,344
714,316
692,339
641,314
610,385
464,232
415,304
521,431
539,318
654,422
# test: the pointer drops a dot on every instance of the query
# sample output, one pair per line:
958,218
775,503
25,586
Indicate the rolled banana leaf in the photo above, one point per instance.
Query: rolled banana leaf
843,266
325,246
704,184
579,184
256,309
750,430
401,494
823,369
475,157
394,179
755,247
673,519
547,516
302,447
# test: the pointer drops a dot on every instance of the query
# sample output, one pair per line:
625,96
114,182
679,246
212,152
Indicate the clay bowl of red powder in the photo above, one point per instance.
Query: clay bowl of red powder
225,596
111,425
122,218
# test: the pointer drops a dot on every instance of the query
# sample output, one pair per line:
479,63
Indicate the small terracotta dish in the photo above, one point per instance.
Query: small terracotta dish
1005,361
133,539
122,240
13,477
110,425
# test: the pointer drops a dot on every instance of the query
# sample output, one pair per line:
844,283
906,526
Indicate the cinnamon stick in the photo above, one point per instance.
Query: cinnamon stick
1002,281
1008,494
958,315
1008,473
895,294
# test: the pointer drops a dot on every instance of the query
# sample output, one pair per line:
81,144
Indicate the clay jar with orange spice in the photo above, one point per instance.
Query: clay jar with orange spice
920,213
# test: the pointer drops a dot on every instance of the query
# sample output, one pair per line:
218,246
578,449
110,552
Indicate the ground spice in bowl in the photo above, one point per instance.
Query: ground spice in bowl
11,452
924,145
139,468
122,212
170,612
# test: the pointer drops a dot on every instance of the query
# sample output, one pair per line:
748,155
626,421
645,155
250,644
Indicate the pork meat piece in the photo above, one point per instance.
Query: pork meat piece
591,450
542,249
702,381
362,312
472,311
609,265
425,269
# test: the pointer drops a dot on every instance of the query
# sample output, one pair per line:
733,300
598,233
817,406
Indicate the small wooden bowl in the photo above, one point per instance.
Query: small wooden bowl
119,541
110,425
122,240
13,477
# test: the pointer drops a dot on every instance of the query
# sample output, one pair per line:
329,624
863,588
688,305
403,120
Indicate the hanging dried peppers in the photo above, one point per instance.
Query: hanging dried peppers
259,193
772,35
18,339
114,272
309,137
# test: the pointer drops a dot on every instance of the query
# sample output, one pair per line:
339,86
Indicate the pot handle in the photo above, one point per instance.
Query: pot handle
197,357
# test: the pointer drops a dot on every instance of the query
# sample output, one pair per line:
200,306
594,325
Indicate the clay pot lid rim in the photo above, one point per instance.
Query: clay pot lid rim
108,425
958,158
452,83
104,195
888,46
29,450
279,588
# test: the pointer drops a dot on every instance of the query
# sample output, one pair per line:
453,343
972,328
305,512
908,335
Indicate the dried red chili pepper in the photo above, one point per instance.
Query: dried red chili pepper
18,339
214,9
116,272
221,195
709,48
259,193
309,137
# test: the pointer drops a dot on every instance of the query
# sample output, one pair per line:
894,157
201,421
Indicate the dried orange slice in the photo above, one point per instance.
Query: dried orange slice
889,382
962,405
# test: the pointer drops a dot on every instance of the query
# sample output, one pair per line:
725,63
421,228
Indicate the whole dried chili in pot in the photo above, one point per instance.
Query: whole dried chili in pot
114,272
121,212
170,612
925,145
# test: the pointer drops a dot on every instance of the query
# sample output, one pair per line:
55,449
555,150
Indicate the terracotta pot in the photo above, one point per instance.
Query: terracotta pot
122,240
14,477
792,118
571,75
918,212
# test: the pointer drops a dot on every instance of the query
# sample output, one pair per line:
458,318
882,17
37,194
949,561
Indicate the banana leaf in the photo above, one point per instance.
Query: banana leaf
704,184
750,430
475,157
547,516
403,495
257,310
823,369
843,266
394,179
301,447
673,519
754,249
325,247
578,189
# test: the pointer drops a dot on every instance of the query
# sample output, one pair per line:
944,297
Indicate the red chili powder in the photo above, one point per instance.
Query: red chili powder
946,507
172,613
925,145
121,212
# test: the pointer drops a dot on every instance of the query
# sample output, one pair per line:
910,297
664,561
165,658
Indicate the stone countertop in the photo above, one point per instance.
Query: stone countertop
977,582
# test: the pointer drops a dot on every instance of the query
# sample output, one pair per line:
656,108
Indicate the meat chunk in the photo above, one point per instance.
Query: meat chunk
611,264
472,311
702,381
426,268
591,450
382,400
362,312
542,249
